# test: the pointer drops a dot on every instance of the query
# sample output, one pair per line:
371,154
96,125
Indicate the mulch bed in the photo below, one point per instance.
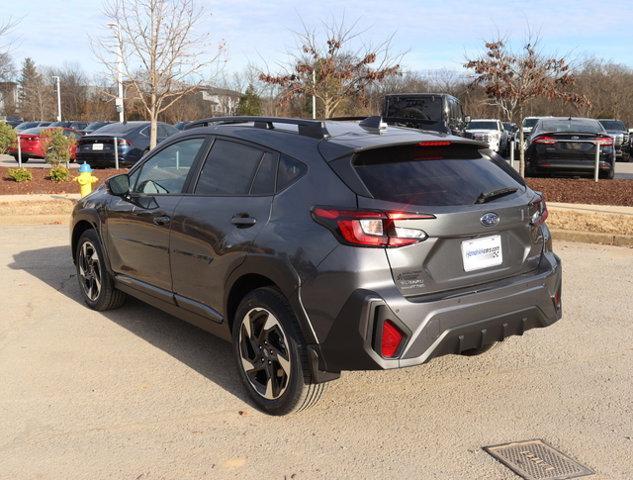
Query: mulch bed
605,192
41,184
567,190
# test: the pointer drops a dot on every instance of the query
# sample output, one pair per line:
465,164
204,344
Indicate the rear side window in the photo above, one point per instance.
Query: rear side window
431,176
229,169
290,170
264,181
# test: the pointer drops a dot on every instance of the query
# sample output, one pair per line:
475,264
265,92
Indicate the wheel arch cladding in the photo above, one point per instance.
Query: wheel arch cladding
242,287
80,227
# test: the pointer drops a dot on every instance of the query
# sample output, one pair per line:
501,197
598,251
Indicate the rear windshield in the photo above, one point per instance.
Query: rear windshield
574,125
434,176
116,128
530,122
475,124
613,125
415,108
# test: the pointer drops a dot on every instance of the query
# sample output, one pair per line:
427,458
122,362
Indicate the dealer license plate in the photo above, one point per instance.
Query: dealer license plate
482,252
97,146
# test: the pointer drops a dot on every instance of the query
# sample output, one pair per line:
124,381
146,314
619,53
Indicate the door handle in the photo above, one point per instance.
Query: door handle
161,220
243,220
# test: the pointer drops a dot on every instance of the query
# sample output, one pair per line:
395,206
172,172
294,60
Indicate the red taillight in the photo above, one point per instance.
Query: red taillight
604,141
434,143
540,210
390,340
545,140
369,228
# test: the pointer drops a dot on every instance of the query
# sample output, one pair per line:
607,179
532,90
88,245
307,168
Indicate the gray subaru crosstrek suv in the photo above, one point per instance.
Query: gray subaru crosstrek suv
316,247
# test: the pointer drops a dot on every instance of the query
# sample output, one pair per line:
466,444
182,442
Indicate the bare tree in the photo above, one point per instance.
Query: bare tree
512,80
329,67
74,89
163,58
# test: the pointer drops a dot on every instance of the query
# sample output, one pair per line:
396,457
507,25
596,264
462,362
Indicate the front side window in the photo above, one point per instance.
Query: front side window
166,171
229,169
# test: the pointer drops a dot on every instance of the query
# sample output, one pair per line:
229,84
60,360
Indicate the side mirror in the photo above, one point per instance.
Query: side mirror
119,185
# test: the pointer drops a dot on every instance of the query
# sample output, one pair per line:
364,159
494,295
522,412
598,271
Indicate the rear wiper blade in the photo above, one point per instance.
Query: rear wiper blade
489,196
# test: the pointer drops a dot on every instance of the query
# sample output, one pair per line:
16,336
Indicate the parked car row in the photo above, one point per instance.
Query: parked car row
95,143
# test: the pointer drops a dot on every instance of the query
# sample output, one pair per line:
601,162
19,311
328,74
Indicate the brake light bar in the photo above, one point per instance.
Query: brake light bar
435,143
371,228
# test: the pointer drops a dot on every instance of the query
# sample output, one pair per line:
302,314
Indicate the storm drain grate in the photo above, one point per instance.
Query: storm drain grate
536,460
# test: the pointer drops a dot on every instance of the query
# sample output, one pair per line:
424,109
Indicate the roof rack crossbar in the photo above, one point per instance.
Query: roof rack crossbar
308,128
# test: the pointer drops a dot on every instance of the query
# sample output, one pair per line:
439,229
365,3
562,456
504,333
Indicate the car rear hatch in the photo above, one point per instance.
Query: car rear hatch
469,238
97,145
569,146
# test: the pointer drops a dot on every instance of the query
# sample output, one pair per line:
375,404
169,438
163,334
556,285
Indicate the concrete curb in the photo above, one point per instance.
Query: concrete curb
593,237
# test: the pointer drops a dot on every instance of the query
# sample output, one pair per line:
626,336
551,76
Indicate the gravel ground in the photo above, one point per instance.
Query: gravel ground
136,394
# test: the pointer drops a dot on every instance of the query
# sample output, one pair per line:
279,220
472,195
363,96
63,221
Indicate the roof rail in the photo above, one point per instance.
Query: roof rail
307,128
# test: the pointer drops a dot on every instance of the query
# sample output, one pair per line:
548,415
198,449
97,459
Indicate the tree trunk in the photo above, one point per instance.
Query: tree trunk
153,130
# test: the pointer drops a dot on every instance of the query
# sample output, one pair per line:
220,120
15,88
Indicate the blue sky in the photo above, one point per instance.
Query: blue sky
436,34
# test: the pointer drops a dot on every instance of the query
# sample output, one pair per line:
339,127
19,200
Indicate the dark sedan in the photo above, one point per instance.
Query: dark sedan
567,146
27,125
97,149
72,124
93,126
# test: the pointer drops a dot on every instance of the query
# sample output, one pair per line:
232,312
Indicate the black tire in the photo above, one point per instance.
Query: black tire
610,175
284,367
24,159
107,297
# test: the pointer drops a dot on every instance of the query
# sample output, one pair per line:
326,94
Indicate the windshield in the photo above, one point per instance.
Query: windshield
483,125
613,125
119,128
427,109
574,125
530,122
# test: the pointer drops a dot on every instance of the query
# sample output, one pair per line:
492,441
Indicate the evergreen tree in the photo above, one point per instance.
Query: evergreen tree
250,103
36,98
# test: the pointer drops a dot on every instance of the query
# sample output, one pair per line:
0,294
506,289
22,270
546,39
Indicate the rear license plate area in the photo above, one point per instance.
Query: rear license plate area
480,253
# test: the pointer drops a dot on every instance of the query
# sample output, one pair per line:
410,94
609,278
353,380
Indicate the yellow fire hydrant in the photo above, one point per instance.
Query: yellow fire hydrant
85,179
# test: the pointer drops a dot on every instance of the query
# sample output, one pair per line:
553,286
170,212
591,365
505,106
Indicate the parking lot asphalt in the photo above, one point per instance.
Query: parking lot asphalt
137,394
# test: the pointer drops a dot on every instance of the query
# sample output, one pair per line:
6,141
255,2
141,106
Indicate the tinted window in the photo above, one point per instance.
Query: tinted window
431,176
229,169
418,108
166,171
119,128
530,122
574,126
289,171
613,125
475,124
264,181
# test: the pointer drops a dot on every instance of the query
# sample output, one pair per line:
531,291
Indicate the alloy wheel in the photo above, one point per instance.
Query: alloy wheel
89,267
264,353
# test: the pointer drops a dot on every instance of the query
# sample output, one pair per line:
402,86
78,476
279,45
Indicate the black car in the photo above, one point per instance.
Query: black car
93,126
317,247
97,148
437,112
567,146
13,120
74,125
181,125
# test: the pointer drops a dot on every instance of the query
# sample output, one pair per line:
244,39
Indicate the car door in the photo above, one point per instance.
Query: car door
137,226
215,224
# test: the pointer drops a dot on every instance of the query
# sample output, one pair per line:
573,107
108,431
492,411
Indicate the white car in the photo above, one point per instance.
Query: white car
490,131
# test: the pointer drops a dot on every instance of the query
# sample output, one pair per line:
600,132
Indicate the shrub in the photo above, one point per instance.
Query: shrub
8,137
59,173
19,174
56,145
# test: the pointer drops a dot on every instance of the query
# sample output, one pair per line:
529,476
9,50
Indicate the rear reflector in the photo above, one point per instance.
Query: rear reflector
391,339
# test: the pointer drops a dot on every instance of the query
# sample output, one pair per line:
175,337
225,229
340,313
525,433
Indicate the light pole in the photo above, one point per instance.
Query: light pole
119,71
59,100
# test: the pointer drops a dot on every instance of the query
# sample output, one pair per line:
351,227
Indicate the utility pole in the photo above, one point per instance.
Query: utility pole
59,100
119,72
313,96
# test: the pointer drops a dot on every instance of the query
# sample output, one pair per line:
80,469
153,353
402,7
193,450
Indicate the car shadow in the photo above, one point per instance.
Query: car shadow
205,353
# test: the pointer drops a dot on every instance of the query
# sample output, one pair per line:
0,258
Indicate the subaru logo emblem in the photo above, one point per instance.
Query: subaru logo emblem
489,219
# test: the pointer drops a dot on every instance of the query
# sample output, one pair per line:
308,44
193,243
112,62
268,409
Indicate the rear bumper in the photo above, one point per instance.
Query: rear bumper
106,159
450,325
566,166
